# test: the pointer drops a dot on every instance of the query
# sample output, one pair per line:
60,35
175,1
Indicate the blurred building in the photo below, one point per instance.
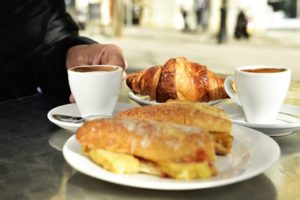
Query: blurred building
205,15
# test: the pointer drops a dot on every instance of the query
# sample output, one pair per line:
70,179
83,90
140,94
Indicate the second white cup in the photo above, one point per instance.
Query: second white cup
96,88
261,91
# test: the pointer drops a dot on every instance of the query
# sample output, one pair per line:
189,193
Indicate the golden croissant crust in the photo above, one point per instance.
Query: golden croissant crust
178,79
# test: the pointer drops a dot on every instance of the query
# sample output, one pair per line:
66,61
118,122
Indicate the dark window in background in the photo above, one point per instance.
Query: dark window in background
289,7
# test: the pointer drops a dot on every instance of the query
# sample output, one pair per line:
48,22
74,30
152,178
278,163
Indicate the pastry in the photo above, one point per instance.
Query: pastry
191,114
178,79
128,145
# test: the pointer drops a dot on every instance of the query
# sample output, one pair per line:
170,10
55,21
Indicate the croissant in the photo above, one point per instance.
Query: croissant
178,79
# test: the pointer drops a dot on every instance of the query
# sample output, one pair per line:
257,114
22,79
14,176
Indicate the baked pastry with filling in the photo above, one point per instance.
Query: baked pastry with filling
200,115
133,146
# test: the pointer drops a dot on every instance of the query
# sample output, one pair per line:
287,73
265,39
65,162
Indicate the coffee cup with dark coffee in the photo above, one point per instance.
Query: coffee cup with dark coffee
260,91
95,88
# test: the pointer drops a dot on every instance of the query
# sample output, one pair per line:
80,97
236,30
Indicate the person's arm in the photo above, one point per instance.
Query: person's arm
53,76
75,51
95,54
67,49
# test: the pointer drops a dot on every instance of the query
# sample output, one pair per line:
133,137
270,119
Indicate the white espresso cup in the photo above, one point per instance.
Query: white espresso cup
96,88
261,91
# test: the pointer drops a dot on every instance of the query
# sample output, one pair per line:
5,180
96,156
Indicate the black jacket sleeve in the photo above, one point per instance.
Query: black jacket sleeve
54,78
35,36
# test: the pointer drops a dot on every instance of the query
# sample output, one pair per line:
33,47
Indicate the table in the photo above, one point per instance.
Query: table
32,165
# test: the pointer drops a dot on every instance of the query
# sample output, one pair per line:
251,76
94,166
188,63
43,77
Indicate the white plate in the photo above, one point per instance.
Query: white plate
72,110
252,154
145,100
284,125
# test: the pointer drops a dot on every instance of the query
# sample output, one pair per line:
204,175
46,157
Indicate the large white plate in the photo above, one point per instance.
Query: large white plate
72,110
252,154
286,123
145,100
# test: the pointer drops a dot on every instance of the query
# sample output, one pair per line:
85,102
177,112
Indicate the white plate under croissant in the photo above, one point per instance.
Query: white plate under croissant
146,100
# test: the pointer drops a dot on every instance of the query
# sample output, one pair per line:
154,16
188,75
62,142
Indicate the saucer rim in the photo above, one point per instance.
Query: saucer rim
264,126
74,126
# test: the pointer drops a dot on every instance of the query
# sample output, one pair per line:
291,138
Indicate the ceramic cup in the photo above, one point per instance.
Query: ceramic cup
260,91
95,88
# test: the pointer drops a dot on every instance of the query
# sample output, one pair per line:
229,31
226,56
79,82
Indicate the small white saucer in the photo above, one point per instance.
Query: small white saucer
145,100
72,110
285,124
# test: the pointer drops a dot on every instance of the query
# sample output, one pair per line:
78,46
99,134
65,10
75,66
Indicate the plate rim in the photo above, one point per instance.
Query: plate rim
135,98
185,185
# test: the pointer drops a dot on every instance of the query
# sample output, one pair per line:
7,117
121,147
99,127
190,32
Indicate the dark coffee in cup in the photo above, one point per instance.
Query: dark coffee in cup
264,70
94,68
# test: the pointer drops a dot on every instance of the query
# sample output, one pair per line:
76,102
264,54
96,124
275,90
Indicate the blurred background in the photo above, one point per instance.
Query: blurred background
222,34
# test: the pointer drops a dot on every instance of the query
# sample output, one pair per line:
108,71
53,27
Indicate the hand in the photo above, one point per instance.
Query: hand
95,54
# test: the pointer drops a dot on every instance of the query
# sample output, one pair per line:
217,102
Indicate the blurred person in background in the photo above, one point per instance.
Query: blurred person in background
222,35
184,14
137,12
186,9
241,26
199,10
39,41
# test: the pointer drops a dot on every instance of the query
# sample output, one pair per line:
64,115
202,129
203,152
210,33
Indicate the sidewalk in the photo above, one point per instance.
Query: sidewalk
147,47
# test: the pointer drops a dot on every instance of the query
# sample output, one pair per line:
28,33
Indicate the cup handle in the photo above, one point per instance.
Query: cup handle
229,90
